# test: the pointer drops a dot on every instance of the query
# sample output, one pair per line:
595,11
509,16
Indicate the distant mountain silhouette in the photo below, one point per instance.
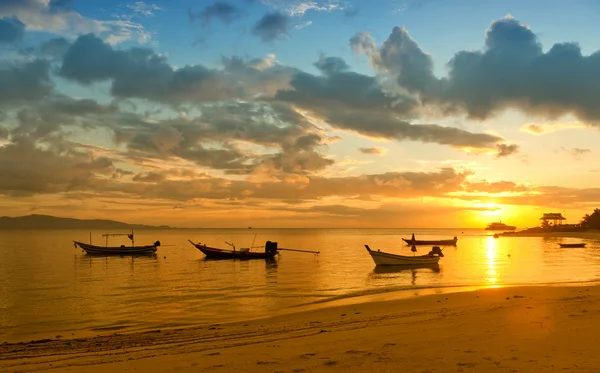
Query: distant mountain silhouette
53,222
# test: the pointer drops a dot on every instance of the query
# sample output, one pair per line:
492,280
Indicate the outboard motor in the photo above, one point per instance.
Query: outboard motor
157,243
436,250
271,248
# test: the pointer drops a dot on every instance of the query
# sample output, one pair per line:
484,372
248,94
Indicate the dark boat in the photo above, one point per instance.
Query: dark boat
413,242
572,245
243,253
387,259
118,250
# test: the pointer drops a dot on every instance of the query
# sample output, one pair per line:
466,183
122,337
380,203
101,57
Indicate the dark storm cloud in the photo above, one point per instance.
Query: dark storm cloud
12,30
511,71
221,10
272,26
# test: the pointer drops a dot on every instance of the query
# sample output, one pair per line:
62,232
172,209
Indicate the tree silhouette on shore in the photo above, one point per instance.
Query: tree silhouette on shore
591,221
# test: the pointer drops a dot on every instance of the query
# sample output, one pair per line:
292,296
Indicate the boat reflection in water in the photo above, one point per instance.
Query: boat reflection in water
434,267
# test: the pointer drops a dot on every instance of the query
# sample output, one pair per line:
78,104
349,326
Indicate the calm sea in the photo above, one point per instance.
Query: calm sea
49,288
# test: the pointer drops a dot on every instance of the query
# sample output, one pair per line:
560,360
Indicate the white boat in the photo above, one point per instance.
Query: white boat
386,259
500,226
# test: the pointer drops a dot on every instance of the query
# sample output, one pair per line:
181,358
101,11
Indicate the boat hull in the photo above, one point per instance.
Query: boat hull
412,242
386,259
506,228
116,250
572,245
215,253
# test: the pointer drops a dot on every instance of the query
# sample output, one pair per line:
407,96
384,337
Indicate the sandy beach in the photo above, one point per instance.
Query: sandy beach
514,329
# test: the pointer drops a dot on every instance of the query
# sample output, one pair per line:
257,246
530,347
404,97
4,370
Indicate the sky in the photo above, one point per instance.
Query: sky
292,113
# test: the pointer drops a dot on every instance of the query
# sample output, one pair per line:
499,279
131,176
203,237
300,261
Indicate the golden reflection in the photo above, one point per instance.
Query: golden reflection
491,254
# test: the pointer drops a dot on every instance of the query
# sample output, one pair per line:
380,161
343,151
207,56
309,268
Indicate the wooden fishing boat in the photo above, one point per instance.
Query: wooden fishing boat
386,259
413,242
243,253
117,250
270,250
572,245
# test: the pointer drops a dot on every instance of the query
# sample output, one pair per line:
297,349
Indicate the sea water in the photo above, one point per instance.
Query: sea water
50,289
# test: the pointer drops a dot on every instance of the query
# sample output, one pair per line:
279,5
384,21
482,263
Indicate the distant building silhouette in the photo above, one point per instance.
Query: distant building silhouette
555,217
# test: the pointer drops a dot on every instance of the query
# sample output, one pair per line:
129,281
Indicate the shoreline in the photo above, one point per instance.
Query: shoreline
540,327
347,300
586,235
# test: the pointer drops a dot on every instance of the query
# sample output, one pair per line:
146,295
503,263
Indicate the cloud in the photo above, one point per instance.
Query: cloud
28,169
59,17
221,10
504,150
55,48
355,102
543,128
300,7
372,151
24,81
141,73
511,71
272,26
576,153
231,125
363,43
12,30
143,9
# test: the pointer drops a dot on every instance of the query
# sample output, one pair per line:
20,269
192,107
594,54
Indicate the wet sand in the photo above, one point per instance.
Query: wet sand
519,329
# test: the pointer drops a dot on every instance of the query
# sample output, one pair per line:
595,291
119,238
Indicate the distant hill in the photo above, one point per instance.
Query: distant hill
53,222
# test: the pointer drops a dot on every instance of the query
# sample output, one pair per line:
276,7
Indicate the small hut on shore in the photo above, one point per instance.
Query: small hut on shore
555,217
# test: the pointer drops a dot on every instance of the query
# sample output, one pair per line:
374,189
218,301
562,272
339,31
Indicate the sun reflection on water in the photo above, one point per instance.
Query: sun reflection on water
491,254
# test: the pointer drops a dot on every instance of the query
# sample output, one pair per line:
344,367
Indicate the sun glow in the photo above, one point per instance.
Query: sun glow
489,209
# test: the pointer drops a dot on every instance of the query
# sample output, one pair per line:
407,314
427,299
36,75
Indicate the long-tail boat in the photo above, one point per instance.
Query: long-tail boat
572,245
117,250
386,259
270,250
413,242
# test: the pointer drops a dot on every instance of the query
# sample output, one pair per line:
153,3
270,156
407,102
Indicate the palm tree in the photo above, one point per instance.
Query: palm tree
591,221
